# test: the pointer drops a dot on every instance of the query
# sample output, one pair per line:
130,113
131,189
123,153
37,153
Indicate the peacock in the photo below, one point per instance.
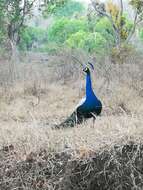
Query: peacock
89,107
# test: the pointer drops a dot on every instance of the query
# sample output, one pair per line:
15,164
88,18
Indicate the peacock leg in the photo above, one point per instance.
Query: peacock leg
94,118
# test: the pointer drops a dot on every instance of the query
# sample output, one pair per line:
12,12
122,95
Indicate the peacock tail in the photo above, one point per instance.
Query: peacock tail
71,121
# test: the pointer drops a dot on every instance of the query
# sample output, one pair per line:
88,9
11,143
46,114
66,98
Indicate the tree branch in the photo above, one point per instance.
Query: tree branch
121,25
121,7
134,27
104,13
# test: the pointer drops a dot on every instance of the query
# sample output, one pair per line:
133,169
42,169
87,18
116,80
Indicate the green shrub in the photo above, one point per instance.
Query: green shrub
91,42
62,29
104,27
95,42
77,39
31,36
67,9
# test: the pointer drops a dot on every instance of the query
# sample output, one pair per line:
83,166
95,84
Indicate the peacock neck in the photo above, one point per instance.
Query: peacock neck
89,90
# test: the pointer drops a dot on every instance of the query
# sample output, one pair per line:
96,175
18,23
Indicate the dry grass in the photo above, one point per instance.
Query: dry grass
107,155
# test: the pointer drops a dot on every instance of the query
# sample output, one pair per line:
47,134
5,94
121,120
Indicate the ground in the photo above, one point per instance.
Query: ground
41,92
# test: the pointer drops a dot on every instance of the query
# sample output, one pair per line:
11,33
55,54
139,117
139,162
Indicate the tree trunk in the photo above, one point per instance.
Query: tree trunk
14,61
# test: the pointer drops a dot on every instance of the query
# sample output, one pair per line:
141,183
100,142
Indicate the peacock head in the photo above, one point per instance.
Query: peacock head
86,70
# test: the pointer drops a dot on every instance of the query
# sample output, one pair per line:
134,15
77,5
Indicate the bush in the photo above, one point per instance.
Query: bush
95,42
91,42
62,29
67,9
77,39
32,37
105,29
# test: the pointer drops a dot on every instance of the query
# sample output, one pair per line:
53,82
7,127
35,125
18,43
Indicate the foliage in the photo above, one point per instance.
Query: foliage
63,28
65,9
16,13
141,34
113,9
74,33
91,42
122,27
137,4
2,34
32,37
120,20
104,27
77,39
2,22
13,15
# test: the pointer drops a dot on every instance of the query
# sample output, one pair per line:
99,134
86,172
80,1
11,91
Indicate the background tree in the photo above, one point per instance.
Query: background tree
32,37
105,26
123,28
16,14
63,8
61,29
2,22
116,15
137,5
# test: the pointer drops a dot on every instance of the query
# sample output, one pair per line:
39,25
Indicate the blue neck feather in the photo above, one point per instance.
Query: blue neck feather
89,90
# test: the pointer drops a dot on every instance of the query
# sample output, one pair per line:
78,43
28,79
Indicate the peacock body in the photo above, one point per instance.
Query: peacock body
90,106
